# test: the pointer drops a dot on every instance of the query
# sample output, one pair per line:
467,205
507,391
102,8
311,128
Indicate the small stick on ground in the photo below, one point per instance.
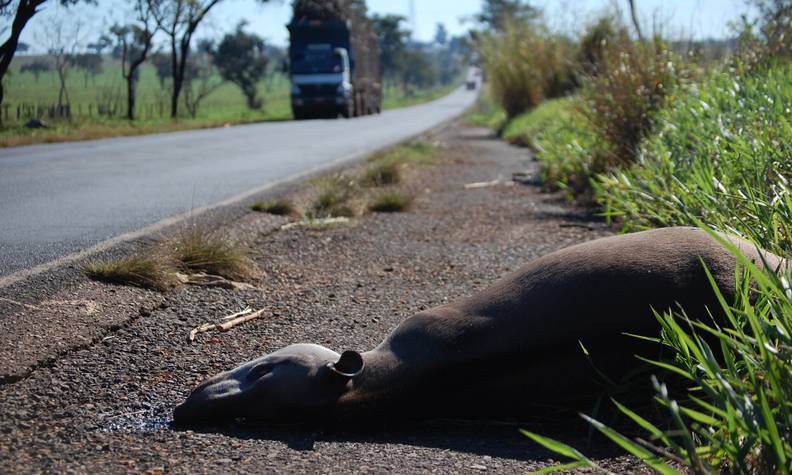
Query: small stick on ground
224,327
203,328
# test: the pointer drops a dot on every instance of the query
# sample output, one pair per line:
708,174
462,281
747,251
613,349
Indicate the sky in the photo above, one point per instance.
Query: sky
684,18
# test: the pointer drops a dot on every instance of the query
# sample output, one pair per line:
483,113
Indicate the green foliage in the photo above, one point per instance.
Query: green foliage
736,414
563,141
722,155
631,85
720,159
497,14
526,64
240,58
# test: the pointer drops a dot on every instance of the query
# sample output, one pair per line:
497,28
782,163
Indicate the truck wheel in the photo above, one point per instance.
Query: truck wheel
348,111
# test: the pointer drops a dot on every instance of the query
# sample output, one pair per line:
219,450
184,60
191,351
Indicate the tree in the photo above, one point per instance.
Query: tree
21,11
241,59
23,47
63,40
134,42
416,69
634,16
101,44
199,80
36,68
162,65
496,14
441,35
179,19
392,41
89,63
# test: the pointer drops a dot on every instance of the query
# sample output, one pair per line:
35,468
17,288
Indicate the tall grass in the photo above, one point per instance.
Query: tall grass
736,414
629,87
526,64
723,155
721,159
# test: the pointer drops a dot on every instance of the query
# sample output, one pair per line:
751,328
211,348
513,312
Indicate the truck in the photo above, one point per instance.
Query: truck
334,59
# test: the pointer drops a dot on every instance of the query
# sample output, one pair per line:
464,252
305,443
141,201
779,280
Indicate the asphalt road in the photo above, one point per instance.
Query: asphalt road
62,198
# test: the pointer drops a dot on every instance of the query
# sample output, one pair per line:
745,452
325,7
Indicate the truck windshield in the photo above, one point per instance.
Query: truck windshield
313,63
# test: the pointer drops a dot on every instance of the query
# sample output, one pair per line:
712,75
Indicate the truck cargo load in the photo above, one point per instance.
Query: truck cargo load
333,60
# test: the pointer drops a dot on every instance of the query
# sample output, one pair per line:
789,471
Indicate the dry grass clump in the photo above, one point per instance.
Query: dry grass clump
199,249
147,270
526,64
631,85
278,207
382,173
334,196
391,202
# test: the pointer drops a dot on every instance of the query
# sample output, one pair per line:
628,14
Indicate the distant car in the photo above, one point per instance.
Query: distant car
472,79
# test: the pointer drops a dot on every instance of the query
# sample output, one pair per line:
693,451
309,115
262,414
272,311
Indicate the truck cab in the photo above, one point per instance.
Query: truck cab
321,70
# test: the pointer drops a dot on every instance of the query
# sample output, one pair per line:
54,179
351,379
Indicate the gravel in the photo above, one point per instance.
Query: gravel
89,385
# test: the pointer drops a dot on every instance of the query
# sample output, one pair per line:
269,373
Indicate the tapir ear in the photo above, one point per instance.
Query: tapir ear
349,365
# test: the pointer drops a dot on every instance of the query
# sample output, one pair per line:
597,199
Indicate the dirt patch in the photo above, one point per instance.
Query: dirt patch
104,406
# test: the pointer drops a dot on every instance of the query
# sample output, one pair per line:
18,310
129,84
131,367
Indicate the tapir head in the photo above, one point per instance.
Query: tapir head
294,384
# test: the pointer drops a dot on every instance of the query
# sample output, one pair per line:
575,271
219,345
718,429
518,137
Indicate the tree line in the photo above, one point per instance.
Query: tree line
240,57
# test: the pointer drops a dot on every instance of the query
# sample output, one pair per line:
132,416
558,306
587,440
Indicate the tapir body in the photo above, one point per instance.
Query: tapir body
504,352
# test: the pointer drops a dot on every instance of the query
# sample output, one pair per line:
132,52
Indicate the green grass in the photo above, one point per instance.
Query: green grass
391,202
334,194
149,270
225,106
720,158
395,97
723,155
485,112
278,207
563,142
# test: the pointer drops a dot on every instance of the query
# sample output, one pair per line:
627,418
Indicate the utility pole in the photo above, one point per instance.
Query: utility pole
413,21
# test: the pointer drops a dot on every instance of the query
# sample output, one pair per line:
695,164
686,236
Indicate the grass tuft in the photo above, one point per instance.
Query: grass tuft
278,207
391,202
334,196
147,270
199,249
382,173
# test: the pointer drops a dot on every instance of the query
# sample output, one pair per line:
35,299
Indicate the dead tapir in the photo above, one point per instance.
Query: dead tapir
500,353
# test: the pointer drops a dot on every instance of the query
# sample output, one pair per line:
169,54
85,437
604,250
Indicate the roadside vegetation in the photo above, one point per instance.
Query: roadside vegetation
149,270
391,202
193,249
278,207
656,135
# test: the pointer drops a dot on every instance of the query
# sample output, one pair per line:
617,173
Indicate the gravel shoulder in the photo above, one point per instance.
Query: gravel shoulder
90,373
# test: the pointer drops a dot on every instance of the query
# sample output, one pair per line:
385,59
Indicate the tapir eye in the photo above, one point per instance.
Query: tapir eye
258,371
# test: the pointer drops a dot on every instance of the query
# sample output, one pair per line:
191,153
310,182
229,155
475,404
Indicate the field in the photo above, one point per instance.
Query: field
105,92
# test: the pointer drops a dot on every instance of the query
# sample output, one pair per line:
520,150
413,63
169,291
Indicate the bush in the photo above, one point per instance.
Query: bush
631,85
562,140
722,155
526,64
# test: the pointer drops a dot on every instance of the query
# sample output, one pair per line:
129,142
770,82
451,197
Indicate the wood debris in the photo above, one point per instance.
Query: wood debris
229,322
482,184
317,223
